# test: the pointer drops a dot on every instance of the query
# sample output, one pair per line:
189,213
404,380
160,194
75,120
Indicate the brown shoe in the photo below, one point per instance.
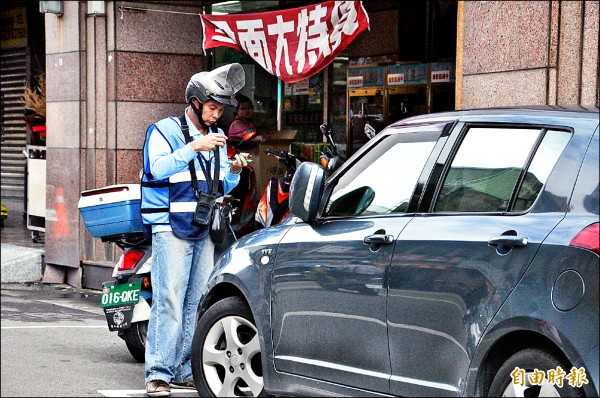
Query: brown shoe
158,388
188,385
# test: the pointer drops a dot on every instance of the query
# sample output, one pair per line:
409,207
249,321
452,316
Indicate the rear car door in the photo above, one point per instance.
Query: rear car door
329,287
476,232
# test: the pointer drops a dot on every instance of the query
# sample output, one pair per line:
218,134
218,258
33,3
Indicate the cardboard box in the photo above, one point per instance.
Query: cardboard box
267,166
279,135
112,210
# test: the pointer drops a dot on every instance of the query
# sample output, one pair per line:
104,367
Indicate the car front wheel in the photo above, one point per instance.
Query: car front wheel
226,355
517,376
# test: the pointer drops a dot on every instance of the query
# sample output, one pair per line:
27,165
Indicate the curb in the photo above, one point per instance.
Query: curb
39,286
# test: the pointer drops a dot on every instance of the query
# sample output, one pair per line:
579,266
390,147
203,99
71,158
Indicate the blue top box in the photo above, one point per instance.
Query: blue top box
112,210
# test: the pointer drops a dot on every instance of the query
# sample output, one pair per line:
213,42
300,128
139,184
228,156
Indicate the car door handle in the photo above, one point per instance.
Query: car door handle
509,240
378,238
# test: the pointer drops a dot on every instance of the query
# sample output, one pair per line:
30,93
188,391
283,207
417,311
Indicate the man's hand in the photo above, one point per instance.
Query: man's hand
208,142
238,161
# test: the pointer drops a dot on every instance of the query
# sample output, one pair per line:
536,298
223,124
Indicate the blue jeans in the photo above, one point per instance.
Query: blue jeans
180,270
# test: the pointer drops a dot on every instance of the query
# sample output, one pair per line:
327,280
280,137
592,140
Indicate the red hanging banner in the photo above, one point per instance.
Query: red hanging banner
291,44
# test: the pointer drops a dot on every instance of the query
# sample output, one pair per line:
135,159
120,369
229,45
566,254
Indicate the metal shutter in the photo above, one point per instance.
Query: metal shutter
14,137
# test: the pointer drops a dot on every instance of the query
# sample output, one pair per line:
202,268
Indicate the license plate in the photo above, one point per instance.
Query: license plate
118,301
114,294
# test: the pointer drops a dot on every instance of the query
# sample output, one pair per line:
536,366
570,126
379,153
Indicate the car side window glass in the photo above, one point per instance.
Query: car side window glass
382,181
543,162
486,169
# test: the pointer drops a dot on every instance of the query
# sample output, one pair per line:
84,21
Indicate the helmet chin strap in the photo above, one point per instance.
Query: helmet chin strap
198,113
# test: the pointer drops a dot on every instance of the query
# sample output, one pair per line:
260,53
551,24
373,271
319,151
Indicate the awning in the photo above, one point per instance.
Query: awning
291,44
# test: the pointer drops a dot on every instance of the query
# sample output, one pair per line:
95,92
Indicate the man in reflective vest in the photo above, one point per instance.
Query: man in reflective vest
182,251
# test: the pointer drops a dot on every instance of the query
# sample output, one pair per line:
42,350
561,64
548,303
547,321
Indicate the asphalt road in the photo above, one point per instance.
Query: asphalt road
55,343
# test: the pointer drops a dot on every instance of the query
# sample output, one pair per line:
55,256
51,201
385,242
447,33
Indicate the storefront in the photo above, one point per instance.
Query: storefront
382,95
378,84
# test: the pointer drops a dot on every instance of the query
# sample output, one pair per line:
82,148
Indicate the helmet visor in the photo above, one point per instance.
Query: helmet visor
224,82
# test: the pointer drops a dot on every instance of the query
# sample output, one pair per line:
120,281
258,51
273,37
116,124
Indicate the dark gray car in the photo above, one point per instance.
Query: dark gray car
455,254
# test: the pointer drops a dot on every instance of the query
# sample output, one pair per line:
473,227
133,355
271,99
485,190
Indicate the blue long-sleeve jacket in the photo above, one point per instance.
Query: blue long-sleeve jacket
168,200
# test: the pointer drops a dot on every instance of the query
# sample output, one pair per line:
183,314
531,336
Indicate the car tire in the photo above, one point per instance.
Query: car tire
530,359
135,339
226,353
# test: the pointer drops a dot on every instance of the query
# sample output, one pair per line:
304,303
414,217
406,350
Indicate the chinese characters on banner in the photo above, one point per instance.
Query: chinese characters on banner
291,44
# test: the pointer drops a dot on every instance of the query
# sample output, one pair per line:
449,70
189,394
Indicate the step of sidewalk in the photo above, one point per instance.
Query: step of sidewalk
21,264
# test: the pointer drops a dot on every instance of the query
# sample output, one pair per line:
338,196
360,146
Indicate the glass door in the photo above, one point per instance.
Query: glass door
366,104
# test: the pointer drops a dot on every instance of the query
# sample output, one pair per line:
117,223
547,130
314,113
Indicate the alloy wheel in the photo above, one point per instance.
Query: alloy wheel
231,358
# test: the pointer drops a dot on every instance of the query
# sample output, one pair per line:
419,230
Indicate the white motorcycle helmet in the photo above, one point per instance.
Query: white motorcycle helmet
220,84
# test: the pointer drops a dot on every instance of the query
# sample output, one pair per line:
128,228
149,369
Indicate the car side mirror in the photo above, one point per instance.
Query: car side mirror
306,190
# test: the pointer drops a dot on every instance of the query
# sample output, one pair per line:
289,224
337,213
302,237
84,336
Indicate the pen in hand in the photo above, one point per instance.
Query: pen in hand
229,162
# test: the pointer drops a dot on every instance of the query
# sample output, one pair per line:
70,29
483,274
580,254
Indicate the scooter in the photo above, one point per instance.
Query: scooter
273,206
126,299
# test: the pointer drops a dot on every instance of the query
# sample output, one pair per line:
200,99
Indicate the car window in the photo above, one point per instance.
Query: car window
543,162
488,167
384,179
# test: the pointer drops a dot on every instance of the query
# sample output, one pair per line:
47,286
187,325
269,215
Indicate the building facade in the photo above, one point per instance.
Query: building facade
113,70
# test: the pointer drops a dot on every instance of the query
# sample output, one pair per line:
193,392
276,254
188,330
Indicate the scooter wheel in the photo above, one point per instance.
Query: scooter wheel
135,339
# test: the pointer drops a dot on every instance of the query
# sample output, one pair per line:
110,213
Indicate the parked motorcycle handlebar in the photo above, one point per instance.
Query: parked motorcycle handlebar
285,158
327,132
277,154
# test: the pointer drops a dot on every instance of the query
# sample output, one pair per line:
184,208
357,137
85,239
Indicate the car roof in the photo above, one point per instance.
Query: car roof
537,114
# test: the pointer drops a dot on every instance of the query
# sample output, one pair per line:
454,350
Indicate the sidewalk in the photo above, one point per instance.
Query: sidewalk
22,259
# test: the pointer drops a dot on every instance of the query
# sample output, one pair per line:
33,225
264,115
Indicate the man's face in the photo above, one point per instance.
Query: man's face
212,111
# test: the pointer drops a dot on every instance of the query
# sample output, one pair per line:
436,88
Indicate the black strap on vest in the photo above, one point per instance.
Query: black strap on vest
215,181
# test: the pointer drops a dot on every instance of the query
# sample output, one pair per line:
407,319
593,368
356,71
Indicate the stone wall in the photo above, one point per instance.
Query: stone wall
527,53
